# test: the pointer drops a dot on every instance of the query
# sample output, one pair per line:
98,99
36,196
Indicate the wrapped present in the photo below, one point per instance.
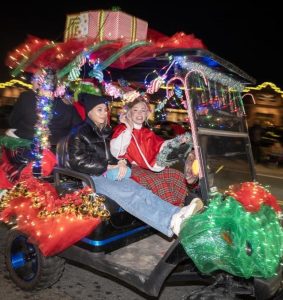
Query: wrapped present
105,25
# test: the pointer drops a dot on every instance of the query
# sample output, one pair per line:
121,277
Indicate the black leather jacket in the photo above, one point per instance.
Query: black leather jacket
88,149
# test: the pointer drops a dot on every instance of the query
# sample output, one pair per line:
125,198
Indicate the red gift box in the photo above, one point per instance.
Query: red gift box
105,25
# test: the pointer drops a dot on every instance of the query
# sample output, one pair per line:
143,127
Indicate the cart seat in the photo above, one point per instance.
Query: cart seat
120,230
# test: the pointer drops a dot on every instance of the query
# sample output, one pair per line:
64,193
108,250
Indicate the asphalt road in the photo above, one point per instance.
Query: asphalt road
272,177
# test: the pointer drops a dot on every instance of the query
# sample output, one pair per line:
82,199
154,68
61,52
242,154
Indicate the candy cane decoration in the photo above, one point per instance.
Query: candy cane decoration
190,113
75,71
169,91
74,74
98,74
156,83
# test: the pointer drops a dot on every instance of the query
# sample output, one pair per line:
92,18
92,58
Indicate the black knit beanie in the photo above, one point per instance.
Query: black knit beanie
90,101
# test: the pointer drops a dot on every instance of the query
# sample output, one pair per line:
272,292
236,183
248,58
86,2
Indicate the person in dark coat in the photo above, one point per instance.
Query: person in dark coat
23,117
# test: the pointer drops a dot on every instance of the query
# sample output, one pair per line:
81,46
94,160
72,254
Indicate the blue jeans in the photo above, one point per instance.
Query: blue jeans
138,201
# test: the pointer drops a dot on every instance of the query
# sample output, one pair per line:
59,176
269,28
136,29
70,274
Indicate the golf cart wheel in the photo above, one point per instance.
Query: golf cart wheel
27,266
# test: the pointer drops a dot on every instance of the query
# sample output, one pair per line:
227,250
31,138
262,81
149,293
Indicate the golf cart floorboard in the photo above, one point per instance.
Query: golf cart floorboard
141,264
141,256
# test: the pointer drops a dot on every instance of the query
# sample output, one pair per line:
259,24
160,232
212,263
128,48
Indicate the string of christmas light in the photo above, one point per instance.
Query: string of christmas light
33,47
47,82
14,82
160,112
264,85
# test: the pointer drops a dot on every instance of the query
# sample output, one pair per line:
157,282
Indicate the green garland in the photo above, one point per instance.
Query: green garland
121,52
171,145
14,143
27,61
227,237
74,63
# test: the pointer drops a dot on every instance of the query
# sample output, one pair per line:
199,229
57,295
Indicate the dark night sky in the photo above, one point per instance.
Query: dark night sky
247,36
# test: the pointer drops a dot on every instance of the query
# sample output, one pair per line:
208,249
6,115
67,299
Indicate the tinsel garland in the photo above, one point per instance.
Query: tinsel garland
228,237
47,81
171,145
211,74
82,203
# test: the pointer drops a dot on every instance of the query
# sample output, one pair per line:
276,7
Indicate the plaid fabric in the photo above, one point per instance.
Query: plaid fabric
169,185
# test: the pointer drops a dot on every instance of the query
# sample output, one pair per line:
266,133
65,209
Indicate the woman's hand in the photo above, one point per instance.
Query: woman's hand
122,165
125,120
122,169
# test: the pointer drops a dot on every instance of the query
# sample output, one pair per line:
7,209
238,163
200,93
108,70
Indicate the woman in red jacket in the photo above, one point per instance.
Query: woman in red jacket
140,146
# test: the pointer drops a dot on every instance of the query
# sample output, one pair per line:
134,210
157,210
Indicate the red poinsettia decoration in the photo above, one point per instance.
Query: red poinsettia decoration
252,195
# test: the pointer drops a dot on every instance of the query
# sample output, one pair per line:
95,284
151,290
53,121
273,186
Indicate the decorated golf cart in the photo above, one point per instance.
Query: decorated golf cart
234,246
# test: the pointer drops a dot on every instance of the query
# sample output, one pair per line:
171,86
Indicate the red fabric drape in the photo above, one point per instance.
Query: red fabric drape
63,53
53,233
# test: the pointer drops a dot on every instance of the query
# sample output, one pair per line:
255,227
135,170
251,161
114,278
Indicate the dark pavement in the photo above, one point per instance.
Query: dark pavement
271,176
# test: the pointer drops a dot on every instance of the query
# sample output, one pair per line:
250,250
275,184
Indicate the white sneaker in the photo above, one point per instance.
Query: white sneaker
186,212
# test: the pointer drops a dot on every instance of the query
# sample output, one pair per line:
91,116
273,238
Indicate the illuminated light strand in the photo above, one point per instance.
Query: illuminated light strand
264,85
13,82
47,83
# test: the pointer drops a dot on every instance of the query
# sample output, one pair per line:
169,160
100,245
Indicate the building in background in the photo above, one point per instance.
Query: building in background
10,91
264,103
